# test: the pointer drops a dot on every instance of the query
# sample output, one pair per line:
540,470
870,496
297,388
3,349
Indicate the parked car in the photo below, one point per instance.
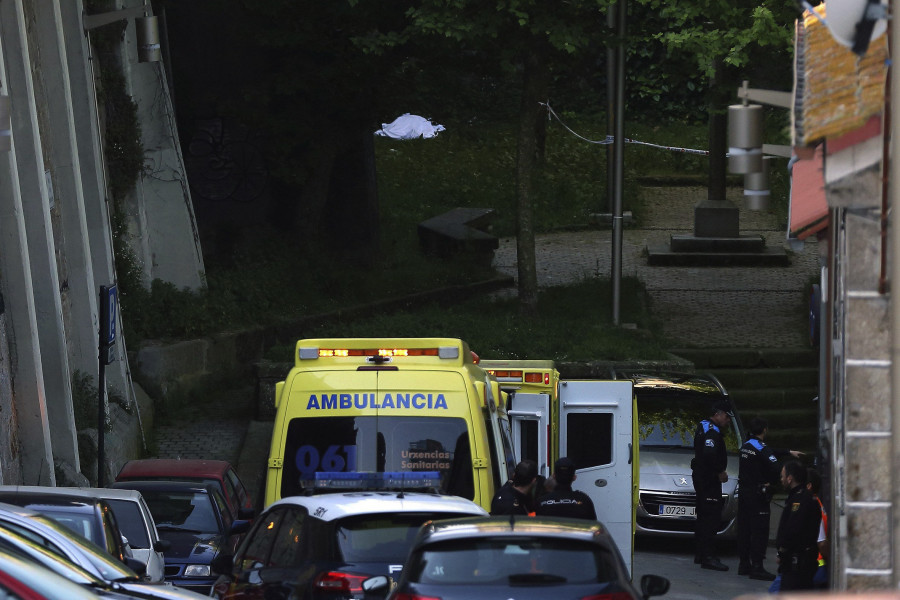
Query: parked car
24,580
670,405
81,552
34,551
219,472
86,515
134,519
523,558
198,524
324,546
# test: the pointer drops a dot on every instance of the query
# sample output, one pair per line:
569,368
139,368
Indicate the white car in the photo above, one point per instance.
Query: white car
133,516
331,542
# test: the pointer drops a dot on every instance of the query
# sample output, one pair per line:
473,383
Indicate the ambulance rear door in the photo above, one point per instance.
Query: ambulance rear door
596,419
529,416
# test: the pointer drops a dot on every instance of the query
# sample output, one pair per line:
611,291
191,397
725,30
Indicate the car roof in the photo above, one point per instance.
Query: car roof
31,495
76,492
166,486
698,383
332,506
171,467
512,526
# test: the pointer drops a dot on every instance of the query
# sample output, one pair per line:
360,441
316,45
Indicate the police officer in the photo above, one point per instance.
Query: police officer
563,501
514,497
759,472
708,472
798,531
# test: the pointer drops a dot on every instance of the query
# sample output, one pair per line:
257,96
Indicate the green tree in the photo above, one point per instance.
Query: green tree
527,36
727,41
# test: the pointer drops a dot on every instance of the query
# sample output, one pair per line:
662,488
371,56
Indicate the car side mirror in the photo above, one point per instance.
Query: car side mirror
377,587
135,565
246,513
654,585
239,527
162,545
223,564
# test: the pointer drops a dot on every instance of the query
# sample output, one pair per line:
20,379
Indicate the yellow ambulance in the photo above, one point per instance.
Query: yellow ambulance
593,422
394,406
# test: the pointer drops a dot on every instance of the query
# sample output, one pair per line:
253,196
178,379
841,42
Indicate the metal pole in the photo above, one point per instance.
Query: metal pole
894,287
101,419
616,274
610,111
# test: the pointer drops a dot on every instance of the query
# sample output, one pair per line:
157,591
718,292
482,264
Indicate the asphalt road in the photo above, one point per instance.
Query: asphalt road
674,559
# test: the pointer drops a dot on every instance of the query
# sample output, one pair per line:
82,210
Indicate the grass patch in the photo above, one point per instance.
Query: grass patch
573,325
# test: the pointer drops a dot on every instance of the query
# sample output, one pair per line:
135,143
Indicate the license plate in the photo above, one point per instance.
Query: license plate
670,510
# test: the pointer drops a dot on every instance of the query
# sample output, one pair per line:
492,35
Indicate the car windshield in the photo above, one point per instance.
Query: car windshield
131,522
185,510
514,561
669,421
379,444
381,537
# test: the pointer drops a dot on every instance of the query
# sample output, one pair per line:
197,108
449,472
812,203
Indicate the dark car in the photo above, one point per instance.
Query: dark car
525,558
219,472
324,546
670,405
87,516
198,524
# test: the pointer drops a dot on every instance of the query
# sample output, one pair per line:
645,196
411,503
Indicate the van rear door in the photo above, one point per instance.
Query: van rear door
596,429
529,415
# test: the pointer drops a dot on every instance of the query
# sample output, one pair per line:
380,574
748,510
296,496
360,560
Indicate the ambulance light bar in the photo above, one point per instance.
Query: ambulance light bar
311,353
506,376
371,480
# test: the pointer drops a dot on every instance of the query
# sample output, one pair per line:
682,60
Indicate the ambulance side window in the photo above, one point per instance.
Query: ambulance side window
590,439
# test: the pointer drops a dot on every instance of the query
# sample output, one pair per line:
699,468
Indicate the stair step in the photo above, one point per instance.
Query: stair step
714,358
805,440
768,378
775,398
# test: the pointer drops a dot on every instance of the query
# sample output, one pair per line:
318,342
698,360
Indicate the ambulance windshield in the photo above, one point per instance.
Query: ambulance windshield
370,443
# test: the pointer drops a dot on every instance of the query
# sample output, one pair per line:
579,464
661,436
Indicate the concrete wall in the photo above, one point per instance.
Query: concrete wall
56,242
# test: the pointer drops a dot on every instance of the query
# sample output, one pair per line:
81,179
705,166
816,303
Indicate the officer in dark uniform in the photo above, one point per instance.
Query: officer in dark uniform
759,472
563,501
708,472
798,531
514,497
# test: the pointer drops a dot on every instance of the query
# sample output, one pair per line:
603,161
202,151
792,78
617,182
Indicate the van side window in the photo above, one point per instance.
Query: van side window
590,439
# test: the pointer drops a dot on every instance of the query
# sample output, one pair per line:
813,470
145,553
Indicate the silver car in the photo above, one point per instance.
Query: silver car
132,514
60,541
670,405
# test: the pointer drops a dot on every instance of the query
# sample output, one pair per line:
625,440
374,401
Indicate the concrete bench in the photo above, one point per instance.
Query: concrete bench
459,230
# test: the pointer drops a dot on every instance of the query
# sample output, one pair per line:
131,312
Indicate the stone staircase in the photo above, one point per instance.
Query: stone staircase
779,385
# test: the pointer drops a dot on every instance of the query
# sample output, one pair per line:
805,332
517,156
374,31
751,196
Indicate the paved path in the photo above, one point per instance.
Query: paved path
713,307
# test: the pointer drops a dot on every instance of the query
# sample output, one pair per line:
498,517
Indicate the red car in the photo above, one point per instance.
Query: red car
219,472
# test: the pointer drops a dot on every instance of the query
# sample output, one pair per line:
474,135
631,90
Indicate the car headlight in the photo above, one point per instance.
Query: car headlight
197,571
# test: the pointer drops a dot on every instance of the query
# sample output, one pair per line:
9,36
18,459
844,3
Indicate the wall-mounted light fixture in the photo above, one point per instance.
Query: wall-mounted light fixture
5,124
146,27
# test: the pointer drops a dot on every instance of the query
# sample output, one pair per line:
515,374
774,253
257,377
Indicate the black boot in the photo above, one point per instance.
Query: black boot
711,562
744,568
759,572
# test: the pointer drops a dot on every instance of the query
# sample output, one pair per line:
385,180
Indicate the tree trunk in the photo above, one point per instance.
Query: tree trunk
528,152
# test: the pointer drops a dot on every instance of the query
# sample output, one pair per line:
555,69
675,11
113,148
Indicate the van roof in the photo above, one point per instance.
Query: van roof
341,352
72,492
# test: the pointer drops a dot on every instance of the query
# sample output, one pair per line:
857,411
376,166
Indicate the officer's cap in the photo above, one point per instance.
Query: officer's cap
721,405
